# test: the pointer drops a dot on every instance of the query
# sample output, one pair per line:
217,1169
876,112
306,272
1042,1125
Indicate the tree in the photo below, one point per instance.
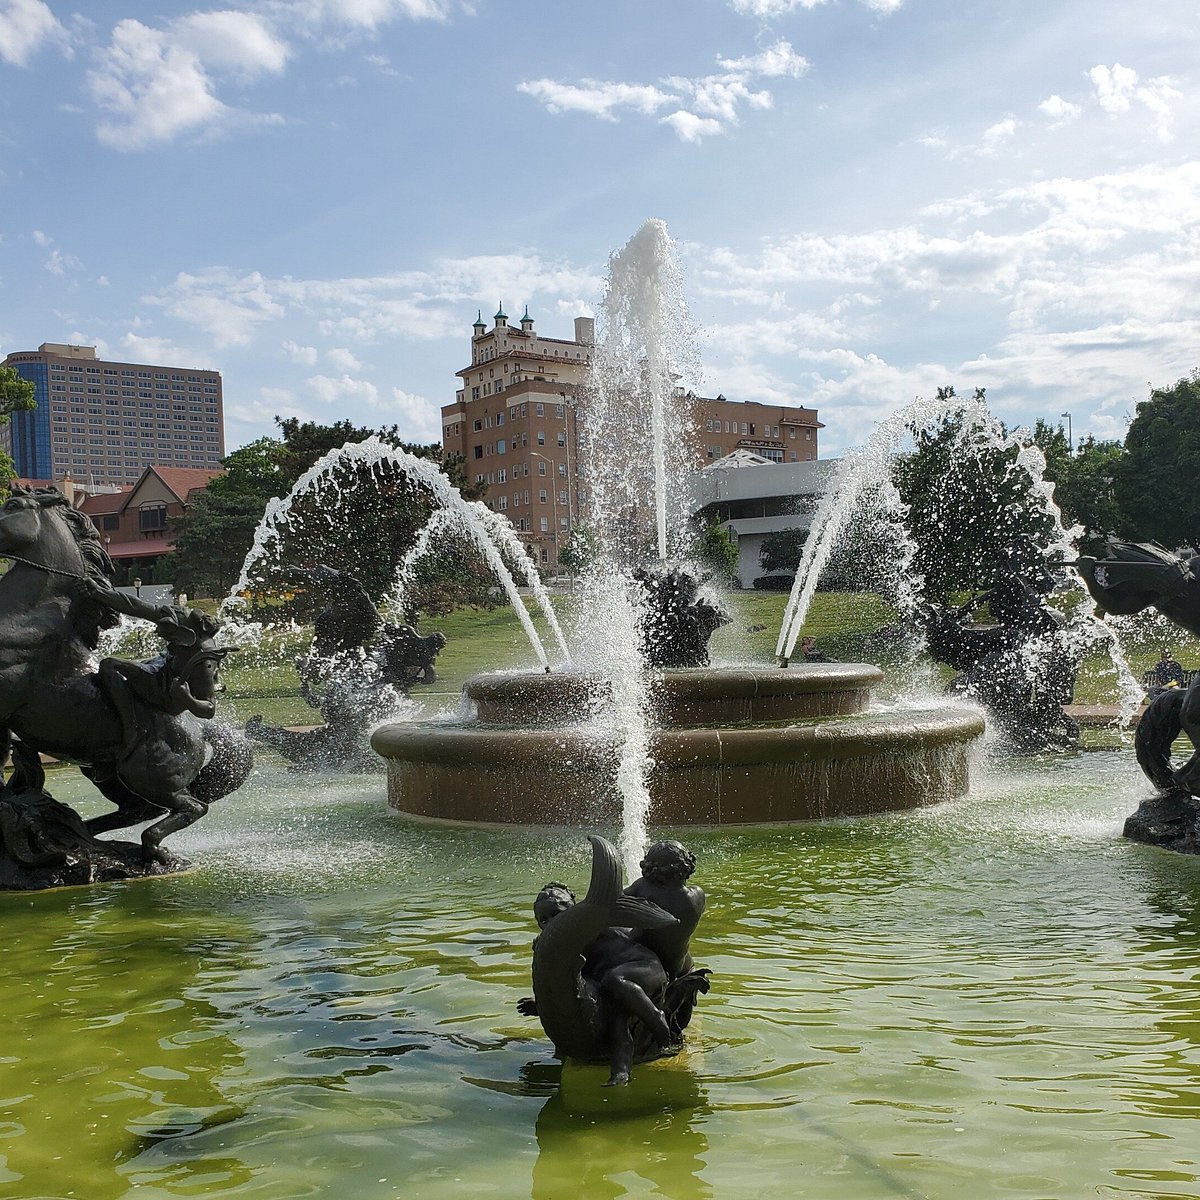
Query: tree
781,551
971,501
578,551
1155,480
717,549
368,528
16,395
1083,484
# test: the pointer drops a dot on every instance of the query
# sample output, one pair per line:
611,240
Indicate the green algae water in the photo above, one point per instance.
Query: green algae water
997,997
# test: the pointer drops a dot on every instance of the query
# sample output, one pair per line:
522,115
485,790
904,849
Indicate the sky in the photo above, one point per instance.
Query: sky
870,199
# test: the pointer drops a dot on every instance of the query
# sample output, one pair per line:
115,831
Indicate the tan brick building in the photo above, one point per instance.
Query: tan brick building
779,433
513,423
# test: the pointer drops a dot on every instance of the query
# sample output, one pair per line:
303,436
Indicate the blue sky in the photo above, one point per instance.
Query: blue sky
871,198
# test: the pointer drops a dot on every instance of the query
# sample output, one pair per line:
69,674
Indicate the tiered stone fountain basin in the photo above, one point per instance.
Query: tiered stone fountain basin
730,746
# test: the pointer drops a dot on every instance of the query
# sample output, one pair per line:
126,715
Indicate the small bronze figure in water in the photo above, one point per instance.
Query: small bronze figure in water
613,976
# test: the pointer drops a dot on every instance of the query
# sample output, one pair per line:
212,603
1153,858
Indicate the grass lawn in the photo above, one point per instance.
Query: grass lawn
263,680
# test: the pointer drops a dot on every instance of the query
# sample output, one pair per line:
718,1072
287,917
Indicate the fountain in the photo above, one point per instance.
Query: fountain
995,995
641,728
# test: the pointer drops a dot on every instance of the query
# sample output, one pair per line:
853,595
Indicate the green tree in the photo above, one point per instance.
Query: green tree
1155,480
717,549
362,519
16,395
578,551
1083,484
970,500
781,551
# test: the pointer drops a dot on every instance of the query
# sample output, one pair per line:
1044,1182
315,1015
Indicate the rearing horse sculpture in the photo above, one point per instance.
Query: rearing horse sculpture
1138,575
149,761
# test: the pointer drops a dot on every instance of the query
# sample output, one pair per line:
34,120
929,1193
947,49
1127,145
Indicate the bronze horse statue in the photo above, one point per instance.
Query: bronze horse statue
151,758
1138,575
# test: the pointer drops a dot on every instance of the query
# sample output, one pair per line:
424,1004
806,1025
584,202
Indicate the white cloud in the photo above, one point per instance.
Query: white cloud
229,308
305,355
154,349
25,26
997,135
1091,286
707,104
1117,90
342,389
779,60
157,84
690,127
594,97
232,41
420,419
422,305
320,15
341,359
1059,111
771,8
59,262
42,239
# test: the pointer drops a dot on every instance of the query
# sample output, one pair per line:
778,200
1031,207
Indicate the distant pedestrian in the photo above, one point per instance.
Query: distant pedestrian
808,647
1167,671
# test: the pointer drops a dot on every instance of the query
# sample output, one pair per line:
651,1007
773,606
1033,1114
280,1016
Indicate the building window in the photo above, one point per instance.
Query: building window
478,451
112,521
808,435
541,437
562,437
541,495
541,467
544,524
152,517
792,433
539,410
501,447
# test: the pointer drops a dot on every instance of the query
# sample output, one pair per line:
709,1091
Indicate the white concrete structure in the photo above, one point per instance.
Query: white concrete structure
752,501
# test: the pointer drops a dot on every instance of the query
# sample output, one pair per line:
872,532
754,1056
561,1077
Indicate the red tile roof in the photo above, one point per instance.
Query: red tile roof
184,480
104,503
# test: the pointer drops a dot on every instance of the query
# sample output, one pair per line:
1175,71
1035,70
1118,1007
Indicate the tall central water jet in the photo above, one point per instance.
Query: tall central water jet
613,741
633,501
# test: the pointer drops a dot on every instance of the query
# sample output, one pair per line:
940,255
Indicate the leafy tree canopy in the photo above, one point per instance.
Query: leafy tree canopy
971,502
717,550
16,395
362,519
1155,479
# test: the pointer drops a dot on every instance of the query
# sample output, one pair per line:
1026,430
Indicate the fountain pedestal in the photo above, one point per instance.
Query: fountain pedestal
730,746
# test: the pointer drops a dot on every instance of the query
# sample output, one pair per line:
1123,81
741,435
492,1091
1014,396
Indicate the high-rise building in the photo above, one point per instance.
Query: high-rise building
107,421
513,422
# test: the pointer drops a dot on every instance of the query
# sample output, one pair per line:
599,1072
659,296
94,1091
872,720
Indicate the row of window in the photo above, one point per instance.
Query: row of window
178,395
57,371
518,411
525,525
747,429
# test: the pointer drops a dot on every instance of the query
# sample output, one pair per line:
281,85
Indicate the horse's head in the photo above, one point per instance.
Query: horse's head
38,527
192,652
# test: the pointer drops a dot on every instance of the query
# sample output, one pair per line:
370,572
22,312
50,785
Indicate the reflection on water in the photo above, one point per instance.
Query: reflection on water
995,997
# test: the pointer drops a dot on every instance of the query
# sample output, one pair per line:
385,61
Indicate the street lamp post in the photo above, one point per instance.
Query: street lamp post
1070,438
